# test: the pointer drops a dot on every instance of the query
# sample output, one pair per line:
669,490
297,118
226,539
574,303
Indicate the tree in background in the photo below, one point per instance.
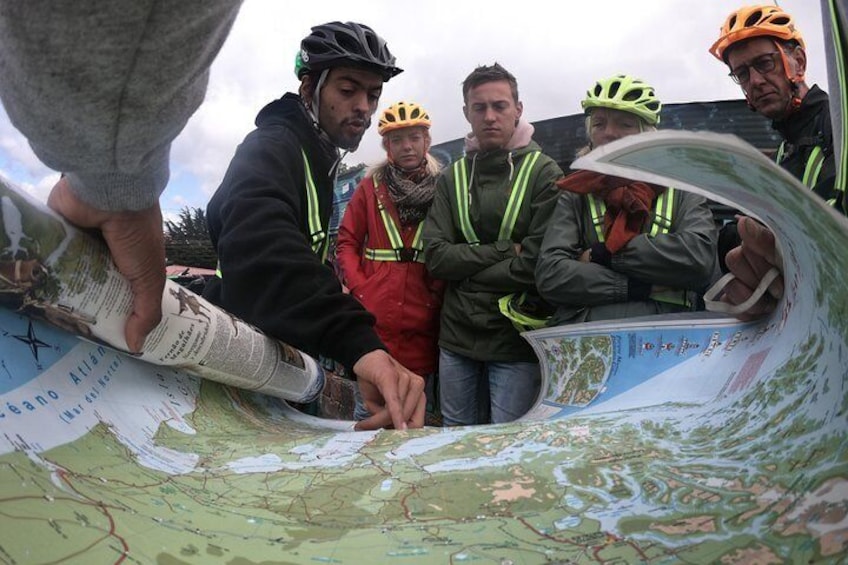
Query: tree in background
344,168
187,240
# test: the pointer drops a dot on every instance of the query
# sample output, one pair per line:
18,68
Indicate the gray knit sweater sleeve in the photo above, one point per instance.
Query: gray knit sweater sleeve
101,89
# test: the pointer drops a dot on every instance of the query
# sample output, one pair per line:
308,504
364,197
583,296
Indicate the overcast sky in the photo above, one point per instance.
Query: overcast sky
555,55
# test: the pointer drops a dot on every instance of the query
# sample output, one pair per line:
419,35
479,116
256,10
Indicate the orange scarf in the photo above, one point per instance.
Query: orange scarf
629,203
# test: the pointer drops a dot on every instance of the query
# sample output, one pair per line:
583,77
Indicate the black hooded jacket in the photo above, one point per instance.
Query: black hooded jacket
257,219
804,129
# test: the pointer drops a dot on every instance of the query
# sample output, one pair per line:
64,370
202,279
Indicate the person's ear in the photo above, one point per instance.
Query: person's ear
465,113
800,57
306,90
520,107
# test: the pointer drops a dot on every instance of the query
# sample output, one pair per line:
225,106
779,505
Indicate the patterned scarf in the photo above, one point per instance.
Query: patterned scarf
628,203
411,191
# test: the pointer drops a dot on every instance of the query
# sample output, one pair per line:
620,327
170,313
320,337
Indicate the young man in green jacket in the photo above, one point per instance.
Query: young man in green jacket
482,236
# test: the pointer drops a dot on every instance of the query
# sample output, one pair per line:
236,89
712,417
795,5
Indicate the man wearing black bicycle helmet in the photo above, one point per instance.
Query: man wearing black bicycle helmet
269,218
345,44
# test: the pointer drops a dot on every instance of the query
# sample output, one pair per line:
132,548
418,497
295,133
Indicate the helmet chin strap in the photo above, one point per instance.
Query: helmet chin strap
313,107
795,101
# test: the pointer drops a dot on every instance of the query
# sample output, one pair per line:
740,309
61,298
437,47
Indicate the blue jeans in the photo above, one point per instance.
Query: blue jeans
513,389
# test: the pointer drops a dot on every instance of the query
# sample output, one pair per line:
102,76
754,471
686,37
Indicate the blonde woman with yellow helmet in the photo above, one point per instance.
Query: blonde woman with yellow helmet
379,248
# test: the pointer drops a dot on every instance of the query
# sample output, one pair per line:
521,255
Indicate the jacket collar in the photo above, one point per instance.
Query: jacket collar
290,112
797,124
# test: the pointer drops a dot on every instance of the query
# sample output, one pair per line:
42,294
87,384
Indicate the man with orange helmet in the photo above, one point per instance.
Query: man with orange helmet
380,248
750,261
766,56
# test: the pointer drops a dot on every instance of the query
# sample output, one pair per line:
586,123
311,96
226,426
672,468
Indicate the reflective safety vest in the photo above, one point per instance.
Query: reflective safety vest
812,169
317,232
399,252
513,207
660,224
509,305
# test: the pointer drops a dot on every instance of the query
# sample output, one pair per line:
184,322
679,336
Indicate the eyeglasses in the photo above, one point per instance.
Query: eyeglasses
763,64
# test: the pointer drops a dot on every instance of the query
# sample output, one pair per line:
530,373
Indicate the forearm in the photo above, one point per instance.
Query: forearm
684,258
677,260
460,261
565,281
518,272
447,255
102,92
282,290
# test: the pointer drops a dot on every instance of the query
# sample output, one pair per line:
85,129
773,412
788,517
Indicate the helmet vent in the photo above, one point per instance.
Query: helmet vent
348,44
614,89
632,95
753,19
373,45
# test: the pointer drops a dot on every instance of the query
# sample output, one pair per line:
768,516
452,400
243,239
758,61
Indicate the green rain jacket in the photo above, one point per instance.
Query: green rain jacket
479,275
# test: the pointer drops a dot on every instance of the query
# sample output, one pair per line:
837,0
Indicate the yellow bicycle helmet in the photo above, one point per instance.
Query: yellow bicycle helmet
402,115
626,93
755,21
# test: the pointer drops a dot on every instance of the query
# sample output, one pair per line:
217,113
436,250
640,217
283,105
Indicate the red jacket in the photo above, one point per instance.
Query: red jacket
403,297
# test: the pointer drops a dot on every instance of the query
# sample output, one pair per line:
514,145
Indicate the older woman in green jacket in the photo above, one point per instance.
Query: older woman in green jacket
615,248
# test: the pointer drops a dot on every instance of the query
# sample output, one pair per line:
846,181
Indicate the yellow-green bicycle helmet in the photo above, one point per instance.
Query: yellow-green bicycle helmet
626,93
525,313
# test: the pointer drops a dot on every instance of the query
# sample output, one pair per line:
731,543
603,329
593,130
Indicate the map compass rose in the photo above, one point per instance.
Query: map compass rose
32,341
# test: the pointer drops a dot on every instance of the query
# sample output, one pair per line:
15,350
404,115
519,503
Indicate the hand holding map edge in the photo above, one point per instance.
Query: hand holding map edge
136,242
750,262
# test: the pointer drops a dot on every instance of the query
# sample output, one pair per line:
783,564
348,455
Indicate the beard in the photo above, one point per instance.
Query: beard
350,142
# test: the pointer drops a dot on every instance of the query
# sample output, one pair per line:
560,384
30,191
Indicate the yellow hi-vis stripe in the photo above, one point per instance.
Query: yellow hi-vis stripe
513,207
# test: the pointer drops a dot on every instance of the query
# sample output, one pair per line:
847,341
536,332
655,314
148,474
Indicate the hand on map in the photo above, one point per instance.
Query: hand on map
750,261
136,242
392,393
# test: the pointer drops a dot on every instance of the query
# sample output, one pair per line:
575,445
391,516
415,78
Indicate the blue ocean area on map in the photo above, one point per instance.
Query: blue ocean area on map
633,355
651,352
29,347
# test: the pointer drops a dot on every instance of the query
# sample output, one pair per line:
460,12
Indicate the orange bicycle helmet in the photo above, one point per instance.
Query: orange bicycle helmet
402,115
755,21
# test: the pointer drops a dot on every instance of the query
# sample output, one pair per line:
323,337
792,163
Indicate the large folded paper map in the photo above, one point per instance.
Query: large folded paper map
52,271
666,441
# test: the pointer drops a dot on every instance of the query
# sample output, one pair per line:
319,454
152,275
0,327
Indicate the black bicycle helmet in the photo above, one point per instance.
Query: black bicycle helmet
338,44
